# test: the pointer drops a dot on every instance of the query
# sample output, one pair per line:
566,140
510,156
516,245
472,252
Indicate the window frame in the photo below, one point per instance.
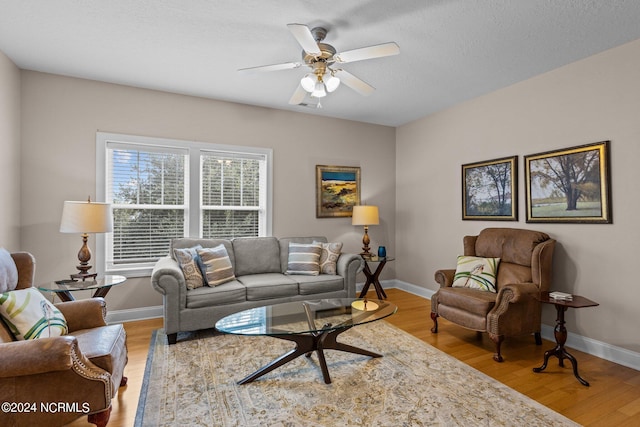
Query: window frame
195,150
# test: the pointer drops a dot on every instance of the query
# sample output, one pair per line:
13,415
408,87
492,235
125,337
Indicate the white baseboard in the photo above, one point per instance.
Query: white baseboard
600,349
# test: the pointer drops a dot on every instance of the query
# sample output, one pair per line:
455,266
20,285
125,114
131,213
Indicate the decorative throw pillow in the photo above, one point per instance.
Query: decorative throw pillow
8,272
189,263
304,259
217,265
329,256
29,315
476,273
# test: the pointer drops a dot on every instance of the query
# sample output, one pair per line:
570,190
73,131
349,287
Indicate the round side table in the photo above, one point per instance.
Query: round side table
64,288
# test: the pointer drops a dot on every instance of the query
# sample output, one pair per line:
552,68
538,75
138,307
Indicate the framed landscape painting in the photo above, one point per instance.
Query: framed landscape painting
337,190
489,190
570,185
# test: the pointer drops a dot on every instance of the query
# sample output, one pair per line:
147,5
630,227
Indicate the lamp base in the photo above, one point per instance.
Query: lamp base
83,276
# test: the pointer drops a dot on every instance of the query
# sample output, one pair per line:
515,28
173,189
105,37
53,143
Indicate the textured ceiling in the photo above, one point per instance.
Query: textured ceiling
450,50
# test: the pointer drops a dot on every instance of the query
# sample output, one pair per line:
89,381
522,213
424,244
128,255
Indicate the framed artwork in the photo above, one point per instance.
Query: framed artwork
489,190
337,190
572,185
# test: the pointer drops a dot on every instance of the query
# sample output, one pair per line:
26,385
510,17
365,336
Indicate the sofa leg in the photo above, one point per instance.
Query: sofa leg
434,317
100,419
172,338
538,338
497,339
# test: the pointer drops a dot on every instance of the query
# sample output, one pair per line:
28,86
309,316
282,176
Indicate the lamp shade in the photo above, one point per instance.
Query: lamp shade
365,215
86,217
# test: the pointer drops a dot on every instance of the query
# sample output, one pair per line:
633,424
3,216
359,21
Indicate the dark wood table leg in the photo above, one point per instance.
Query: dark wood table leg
101,292
307,344
65,296
560,334
373,279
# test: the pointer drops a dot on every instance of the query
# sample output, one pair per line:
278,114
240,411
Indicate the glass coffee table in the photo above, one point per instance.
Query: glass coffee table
313,325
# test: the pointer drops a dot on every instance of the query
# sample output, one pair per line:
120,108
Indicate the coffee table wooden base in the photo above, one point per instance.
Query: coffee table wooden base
306,344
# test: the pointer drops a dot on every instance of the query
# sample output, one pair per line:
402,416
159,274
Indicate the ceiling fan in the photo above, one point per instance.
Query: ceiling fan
324,62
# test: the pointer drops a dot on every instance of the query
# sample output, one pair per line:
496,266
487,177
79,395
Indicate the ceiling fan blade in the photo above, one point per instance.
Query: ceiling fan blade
305,38
274,67
377,51
298,96
355,83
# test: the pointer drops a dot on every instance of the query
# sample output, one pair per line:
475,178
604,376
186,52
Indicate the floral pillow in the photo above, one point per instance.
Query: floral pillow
476,273
30,315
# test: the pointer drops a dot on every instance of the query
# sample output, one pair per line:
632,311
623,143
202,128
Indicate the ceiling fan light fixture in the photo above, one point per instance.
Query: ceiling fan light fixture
319,90
331,82
308,82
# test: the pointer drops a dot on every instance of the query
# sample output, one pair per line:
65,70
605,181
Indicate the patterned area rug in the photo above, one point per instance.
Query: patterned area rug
193,383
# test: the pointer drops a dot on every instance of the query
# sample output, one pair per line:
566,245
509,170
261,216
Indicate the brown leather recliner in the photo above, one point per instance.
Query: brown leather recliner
59,379
524,271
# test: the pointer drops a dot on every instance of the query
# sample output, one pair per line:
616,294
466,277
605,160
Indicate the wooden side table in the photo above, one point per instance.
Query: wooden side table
373,277
560,332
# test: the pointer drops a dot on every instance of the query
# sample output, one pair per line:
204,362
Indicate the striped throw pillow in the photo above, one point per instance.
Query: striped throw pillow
304,259
30,315
217,265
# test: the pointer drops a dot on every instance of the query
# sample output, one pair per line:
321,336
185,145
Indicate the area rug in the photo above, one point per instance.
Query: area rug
193,383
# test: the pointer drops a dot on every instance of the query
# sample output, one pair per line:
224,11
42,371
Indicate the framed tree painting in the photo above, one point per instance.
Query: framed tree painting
337,190
489,190
572,185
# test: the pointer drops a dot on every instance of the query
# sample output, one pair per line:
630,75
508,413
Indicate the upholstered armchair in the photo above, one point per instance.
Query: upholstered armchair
61,378
524,271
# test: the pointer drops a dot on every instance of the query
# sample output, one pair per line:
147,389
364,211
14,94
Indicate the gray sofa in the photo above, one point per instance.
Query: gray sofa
259,264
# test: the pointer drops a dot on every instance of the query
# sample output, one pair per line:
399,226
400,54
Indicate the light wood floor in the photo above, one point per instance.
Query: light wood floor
613,399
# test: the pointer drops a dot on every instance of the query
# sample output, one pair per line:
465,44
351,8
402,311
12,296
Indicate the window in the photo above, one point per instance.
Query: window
164,189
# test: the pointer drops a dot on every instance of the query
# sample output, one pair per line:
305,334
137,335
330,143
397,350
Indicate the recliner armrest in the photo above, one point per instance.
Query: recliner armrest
38,356
445,277
84,314
518,290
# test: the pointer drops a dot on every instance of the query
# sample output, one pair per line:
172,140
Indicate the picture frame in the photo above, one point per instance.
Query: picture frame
337,190
571,185
490,190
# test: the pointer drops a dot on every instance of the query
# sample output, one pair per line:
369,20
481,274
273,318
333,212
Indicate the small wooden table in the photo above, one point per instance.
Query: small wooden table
373,278
64,288
560,332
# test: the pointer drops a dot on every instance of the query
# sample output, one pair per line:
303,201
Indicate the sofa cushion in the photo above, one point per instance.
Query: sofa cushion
30,315
304,258
189,263
309,285
268,286
217,265
227,293
8,272
476,273
255,255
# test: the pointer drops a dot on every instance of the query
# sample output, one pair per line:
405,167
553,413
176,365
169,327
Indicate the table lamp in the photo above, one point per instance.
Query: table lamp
365,215
85,217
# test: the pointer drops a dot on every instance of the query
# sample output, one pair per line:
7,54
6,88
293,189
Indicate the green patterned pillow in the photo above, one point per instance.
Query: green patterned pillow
217,265
29,315
188,261
304,259
329,257
476,273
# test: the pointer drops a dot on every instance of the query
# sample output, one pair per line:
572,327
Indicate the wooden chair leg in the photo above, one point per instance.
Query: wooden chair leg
434,317
497,339
123,381
538,338
100,419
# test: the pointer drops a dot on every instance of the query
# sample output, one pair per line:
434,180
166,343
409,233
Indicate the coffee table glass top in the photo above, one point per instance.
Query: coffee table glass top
304,317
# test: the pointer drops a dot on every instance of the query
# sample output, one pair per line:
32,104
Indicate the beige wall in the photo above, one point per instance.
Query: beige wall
588,101
61,116
9,154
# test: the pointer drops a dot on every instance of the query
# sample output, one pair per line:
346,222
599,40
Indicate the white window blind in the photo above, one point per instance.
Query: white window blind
165,189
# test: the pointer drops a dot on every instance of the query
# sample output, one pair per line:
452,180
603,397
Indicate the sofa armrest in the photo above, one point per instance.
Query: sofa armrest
348,266
84,314
445,277
32,357
168,279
